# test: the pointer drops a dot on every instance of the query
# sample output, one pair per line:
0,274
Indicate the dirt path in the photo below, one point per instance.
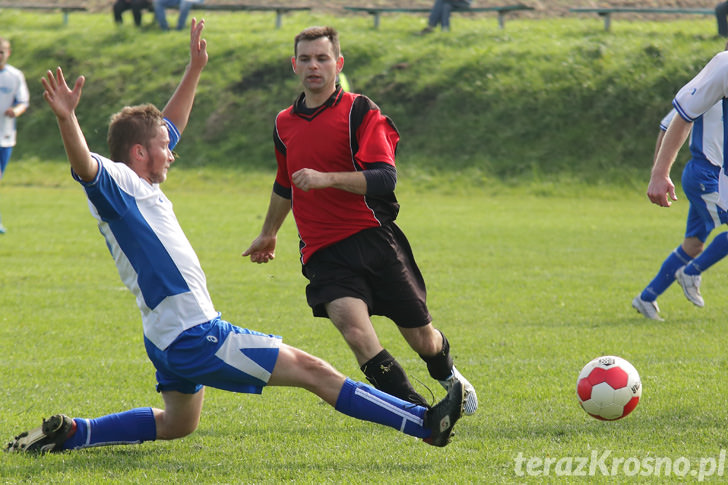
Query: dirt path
542,8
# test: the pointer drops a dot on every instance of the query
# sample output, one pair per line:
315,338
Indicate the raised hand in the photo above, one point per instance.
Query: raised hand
198,45
59,96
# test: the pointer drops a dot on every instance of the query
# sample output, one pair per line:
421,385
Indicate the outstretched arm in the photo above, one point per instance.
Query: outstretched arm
661,190
263,248
63,101
179,106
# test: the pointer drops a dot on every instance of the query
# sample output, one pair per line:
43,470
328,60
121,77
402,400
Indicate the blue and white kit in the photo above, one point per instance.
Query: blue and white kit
13,91
701,173
159,266
708,87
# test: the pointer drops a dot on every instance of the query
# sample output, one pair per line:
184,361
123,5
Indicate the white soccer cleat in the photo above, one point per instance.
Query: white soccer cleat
690,284
647,308
471,399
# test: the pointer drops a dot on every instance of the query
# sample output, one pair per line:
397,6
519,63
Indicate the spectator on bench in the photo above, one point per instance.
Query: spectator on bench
184,9
136,7
440,14
721,12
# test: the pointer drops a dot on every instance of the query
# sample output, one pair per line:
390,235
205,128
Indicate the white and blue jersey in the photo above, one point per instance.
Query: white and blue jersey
700,178
152,254
706,136
13,91
157,263
708,88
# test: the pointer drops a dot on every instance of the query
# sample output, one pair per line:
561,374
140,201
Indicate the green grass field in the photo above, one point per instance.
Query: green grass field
530,272
527,287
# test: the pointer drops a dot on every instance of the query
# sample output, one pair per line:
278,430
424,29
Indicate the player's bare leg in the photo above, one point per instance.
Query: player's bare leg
295,367
181,414
351,317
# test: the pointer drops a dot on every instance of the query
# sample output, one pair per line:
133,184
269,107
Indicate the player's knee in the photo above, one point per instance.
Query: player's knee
172,429
693,246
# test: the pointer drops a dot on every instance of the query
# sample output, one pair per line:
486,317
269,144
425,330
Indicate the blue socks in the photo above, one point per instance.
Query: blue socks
715,251
362,401
356,399
666,275
127,428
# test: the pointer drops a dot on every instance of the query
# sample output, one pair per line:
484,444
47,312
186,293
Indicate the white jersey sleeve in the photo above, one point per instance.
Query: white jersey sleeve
705,89
667,119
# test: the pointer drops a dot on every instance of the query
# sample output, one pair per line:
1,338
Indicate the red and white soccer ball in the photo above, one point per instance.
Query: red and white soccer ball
609,388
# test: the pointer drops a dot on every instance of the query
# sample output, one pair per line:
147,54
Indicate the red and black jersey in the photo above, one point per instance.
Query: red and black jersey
347,133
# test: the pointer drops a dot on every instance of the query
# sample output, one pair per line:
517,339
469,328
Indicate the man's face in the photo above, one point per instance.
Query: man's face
4,54
157,157
316,65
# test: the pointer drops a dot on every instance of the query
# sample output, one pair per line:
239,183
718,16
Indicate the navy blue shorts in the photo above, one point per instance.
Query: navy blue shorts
376,266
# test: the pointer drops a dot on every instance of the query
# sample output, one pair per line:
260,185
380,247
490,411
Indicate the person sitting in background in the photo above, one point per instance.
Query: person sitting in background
184,10
721,12
136,7
440,14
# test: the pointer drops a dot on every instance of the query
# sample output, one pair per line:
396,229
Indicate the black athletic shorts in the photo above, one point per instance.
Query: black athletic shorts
375,265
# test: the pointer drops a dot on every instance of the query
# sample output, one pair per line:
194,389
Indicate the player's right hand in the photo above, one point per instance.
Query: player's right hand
661,191
262,250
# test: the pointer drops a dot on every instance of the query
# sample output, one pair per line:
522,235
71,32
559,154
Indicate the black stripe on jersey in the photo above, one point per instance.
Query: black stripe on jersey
280,146
359,109
285,192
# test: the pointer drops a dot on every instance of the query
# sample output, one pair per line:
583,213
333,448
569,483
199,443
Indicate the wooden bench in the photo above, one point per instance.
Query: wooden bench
606,13
278,9
377,11
65,9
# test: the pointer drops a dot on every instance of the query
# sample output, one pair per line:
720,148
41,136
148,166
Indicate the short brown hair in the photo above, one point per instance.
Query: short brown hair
131,126
313,33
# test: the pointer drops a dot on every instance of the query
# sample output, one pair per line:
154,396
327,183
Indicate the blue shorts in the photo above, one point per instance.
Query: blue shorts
215,354
700,183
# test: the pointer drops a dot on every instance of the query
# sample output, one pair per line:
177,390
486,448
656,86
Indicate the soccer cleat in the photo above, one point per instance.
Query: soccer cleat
690,283
647,308
471,398
2,229
441,418
46,438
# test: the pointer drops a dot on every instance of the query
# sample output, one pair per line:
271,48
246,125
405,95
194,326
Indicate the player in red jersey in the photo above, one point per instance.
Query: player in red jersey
336,173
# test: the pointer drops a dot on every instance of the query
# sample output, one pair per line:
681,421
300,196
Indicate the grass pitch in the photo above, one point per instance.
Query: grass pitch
527,284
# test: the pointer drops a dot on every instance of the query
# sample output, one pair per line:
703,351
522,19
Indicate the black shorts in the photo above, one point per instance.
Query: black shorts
375,265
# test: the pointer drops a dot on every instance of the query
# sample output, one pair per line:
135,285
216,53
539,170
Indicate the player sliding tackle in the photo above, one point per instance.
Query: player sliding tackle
185,338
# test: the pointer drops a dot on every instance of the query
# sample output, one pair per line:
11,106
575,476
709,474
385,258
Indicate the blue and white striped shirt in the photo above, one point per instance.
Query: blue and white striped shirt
152,254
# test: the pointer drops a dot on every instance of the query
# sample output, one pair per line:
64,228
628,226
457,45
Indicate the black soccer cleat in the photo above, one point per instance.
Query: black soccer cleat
441,418
46,438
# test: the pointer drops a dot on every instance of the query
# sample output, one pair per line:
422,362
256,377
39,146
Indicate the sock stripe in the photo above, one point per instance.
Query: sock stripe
87,422
406,416
682,255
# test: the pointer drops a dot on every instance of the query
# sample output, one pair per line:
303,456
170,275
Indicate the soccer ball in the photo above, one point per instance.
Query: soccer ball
608,388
